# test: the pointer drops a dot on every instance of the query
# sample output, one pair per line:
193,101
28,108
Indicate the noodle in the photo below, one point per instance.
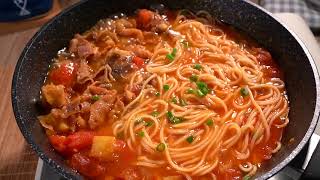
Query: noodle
183,96
224,73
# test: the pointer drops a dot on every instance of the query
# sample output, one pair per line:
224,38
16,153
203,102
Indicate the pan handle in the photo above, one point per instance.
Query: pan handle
313,168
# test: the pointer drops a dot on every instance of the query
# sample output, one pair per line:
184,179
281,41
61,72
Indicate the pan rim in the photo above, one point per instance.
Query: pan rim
71,174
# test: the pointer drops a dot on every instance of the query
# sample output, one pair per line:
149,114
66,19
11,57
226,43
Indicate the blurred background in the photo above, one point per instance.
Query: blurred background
20,19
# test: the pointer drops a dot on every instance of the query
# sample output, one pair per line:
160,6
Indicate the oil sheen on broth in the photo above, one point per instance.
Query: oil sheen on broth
171,95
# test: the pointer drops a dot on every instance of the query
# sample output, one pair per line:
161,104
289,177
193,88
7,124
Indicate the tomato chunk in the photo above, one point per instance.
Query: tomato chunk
144,17
58,142
87,166
72,143
79,140
138,61
64,74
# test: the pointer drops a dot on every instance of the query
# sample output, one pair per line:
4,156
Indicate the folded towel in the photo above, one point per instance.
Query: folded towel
307,9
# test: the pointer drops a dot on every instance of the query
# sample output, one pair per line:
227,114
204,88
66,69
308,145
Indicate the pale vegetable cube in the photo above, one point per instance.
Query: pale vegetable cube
102,147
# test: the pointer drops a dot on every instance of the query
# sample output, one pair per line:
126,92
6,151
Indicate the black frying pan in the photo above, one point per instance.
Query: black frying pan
301,77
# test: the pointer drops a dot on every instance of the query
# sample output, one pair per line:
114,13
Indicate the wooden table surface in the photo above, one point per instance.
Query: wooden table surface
17,160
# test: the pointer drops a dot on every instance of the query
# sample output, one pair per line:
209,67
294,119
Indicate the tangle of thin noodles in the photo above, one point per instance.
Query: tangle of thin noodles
239,123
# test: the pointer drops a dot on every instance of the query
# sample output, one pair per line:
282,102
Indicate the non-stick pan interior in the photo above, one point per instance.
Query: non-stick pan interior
300,75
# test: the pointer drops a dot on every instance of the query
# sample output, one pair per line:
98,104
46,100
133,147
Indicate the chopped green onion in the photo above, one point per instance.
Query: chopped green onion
193,78
197,67
209,122
170,57
173,119
166,87
95,98
190,139
149,123
140,133
161,147
174,51
185,43
244,92
170,115
157,94
183,102
247,177
155,113
138,121
200,93
174,100
203,87
190,91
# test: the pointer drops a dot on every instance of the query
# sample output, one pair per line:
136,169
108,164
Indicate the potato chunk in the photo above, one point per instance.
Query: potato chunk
102,147
54,95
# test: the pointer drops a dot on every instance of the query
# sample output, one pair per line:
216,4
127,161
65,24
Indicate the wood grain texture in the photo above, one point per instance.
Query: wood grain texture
17,161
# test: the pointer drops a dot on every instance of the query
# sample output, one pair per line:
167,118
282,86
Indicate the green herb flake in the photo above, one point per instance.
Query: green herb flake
185,43
203,88
247,177
95,98
200,93
172,119
161,147
170,57
194,78
155,113
183,102
157,94
174,100
166,87
174,51
190,139
197,67
190,91
244,92
149,123
209,122
140,133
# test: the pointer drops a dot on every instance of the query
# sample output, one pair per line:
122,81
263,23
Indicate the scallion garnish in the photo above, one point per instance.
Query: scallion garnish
244,92
209,122
161,147
185,43
247,177
203,89
194,78
174,100
183,102
197,67
95,98
190,139
172,55
166,87
140,133
149,123
155,113
190,91
157,94
172,119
